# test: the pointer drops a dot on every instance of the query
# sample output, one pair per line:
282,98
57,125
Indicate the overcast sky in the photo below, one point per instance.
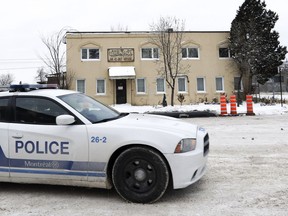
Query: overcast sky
24,22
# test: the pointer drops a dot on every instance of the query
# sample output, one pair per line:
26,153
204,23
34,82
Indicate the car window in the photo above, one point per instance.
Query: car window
4,109
90,108
33,110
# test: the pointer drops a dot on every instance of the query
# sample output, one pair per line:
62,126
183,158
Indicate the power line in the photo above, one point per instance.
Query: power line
13,64
28,59
21,64
12,59
22,68
26,62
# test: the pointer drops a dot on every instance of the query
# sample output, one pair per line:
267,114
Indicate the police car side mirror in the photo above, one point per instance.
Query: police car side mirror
65,120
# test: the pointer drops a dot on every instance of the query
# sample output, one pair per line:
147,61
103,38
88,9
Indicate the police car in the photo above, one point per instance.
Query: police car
63,137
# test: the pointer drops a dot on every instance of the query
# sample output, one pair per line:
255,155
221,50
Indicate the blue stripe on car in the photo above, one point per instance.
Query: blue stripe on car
52,167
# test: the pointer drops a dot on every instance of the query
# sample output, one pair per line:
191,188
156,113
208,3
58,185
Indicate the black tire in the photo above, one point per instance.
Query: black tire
140,175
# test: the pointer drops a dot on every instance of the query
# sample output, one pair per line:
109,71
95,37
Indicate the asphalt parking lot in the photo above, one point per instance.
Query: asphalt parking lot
247,175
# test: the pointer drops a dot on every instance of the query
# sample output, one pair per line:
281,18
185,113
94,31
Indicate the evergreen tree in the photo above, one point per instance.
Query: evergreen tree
254,44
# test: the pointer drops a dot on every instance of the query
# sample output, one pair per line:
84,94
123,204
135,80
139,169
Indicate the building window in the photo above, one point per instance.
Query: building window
141,86
182,85
190,53
219,84
160,82
90,54
150,53
200,84
224,52
236,83
80,86
100,87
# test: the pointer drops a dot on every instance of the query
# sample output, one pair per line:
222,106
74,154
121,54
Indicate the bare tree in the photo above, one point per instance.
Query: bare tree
69,77
167,36
119,28
6,79
41,75
55,59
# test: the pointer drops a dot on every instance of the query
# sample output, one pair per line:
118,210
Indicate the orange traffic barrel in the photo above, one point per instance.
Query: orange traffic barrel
233,105
249,103
223,105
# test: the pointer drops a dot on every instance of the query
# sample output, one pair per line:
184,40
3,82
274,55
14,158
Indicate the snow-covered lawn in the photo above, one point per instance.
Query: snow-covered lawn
258,108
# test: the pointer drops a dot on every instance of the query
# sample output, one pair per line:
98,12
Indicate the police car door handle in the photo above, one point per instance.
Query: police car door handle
17,135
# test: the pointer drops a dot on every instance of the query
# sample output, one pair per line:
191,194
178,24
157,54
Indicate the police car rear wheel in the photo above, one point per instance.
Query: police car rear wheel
140,175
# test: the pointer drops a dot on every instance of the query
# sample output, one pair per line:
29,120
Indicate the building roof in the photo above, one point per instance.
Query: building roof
137,32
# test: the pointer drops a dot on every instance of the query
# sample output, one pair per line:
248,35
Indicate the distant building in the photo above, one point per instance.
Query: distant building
273,84
59,79
4,88
123,67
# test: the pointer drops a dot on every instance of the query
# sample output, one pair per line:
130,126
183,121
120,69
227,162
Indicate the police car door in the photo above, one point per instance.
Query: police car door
41,149
4,119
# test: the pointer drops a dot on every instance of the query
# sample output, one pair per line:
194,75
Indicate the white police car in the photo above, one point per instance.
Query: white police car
53,136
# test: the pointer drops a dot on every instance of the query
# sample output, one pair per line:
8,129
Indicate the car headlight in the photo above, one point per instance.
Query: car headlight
185,145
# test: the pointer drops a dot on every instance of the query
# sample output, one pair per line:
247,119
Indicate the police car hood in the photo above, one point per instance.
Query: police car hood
158,122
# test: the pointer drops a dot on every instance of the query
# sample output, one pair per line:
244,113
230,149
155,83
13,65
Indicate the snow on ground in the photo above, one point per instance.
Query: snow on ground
258,108
247,175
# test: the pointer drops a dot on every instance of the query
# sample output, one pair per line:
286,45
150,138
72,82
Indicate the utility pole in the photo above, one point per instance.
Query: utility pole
280,73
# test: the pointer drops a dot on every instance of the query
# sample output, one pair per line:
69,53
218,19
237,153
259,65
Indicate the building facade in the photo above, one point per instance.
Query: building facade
125,67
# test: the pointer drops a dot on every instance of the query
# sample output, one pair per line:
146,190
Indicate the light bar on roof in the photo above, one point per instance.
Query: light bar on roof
29,87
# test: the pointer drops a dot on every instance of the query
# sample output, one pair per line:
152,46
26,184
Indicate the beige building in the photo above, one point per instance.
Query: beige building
124,67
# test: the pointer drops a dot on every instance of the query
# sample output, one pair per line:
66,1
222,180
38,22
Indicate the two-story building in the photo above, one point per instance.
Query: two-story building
124,67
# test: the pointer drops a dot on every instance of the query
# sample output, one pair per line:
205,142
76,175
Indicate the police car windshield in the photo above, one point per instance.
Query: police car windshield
91,109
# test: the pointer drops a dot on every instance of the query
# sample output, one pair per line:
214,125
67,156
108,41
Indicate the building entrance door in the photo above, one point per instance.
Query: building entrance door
121,91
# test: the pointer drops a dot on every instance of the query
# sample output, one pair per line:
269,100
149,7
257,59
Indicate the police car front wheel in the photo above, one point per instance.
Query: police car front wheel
140,175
